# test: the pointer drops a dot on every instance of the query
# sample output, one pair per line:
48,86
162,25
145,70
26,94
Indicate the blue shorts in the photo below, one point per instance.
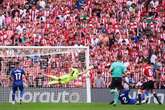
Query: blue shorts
132,101
16,87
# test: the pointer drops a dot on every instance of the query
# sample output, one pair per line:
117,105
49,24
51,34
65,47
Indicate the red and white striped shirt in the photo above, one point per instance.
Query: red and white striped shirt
147,71
133,25
33,15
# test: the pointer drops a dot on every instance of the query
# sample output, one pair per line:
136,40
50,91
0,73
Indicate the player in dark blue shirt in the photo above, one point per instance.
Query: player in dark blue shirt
17,75
126,99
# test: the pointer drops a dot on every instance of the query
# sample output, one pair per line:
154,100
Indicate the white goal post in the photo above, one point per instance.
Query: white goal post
27,51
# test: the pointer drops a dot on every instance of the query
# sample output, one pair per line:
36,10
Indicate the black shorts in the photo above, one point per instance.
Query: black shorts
116,83
149,85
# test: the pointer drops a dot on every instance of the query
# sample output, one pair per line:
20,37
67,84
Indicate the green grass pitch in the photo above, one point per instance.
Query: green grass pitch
93,106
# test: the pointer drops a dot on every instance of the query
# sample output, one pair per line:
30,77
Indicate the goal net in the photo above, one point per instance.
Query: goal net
54,60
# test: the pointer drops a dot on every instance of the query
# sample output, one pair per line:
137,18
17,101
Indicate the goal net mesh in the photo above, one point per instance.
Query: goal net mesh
37,61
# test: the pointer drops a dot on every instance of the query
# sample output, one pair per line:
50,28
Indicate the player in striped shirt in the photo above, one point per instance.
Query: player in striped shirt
149,84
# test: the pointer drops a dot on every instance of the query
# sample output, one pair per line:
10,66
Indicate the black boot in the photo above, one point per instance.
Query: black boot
139,98
111,102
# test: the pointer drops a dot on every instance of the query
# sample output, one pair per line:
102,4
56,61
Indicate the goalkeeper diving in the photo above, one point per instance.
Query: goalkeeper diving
65,79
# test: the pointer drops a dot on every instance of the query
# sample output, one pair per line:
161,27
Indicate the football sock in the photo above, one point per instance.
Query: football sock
116,96
112,91
21,94
139,98
13,97
155,95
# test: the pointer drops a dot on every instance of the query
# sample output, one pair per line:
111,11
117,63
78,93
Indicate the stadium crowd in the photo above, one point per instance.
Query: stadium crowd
133,28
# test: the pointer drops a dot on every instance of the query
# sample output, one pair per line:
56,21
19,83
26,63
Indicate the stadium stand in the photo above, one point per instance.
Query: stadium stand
133,28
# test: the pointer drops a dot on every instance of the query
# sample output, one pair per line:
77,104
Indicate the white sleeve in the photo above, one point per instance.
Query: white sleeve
126,79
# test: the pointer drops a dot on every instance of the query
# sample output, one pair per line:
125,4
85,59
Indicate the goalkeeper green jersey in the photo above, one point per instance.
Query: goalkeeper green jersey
70,76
